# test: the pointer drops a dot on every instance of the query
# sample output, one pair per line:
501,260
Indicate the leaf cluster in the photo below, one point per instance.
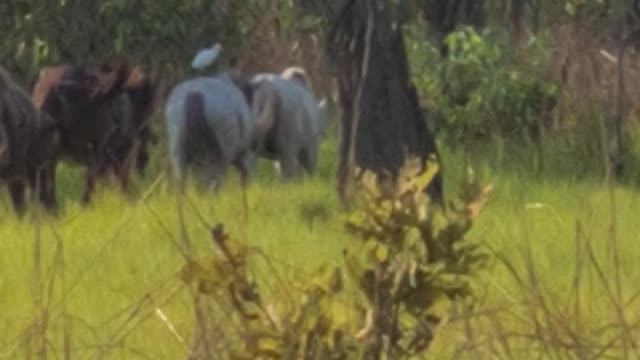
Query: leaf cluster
415,257
303,320
387,299
482,88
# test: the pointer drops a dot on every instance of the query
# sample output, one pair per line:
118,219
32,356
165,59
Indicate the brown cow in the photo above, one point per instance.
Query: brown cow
102,113
28,144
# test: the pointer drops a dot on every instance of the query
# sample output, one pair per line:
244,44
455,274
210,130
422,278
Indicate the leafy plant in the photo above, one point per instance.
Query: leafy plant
478,91
308,323
415,260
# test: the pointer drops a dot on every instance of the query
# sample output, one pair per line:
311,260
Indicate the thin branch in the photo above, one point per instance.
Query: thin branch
363,78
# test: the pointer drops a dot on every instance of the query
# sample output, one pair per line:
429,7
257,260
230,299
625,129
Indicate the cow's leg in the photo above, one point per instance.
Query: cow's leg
124,180
288,162
308,156
216,174
178,168
142,161
17,189
48,185
95,167
122,172
89,183
178,156
244,163
41,184
288,147
142,155
130,159
35,187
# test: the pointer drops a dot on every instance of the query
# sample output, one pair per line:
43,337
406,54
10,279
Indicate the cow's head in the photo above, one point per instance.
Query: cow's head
65,91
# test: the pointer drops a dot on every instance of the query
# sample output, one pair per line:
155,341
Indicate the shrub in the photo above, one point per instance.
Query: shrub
415,259
478,91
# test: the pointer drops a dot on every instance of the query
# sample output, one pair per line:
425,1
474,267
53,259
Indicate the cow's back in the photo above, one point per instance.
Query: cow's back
298,102
225,111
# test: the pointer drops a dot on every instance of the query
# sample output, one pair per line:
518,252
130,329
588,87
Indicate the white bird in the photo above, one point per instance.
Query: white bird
206,57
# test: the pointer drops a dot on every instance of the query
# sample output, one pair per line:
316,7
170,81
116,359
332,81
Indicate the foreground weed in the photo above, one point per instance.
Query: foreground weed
415,260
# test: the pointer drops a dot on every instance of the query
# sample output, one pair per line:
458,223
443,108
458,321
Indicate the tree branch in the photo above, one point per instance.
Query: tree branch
363,76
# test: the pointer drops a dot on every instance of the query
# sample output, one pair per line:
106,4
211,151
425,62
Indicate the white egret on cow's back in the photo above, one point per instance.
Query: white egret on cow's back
206,57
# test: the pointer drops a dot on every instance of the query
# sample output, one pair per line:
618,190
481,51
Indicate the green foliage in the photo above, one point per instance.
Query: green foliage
597,8
151,32
477,90
119,254
309,324
415,259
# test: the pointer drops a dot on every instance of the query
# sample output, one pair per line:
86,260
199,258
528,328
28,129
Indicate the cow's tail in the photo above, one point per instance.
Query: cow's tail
195,119
202,142
263,109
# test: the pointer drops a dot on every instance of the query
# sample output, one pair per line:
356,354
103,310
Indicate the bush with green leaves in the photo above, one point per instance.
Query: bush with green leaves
483,87
385,301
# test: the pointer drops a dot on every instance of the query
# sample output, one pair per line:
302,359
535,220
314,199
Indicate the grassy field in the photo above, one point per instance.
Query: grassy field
105,270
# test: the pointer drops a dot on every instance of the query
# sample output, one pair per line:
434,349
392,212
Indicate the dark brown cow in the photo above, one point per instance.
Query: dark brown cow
28,146
102,113
141,94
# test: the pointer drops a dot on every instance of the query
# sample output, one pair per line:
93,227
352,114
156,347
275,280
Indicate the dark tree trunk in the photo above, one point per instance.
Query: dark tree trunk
377,97
516,17
617,148
536,9
443,16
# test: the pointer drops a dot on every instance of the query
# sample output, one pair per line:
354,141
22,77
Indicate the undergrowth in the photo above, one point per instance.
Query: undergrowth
103,282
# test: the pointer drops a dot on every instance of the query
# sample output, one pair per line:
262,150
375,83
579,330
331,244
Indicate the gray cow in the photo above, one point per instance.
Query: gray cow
289,122
209,127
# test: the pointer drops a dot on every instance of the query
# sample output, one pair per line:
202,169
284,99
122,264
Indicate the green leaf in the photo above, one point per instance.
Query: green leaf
370,246
424,179
382,253
327,278
269,345
354,267
341,315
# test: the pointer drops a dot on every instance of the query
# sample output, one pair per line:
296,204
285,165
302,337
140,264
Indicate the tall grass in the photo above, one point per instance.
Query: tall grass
104,283
563,285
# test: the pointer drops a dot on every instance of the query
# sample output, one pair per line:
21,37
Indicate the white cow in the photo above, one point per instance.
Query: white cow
289,122
209,127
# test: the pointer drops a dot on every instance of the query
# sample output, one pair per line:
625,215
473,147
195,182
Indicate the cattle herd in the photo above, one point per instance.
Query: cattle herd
98,117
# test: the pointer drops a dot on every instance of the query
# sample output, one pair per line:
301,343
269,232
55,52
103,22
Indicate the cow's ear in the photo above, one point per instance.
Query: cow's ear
136,78
48,78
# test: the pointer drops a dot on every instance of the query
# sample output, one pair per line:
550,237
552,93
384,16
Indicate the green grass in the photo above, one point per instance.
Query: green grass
120,257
